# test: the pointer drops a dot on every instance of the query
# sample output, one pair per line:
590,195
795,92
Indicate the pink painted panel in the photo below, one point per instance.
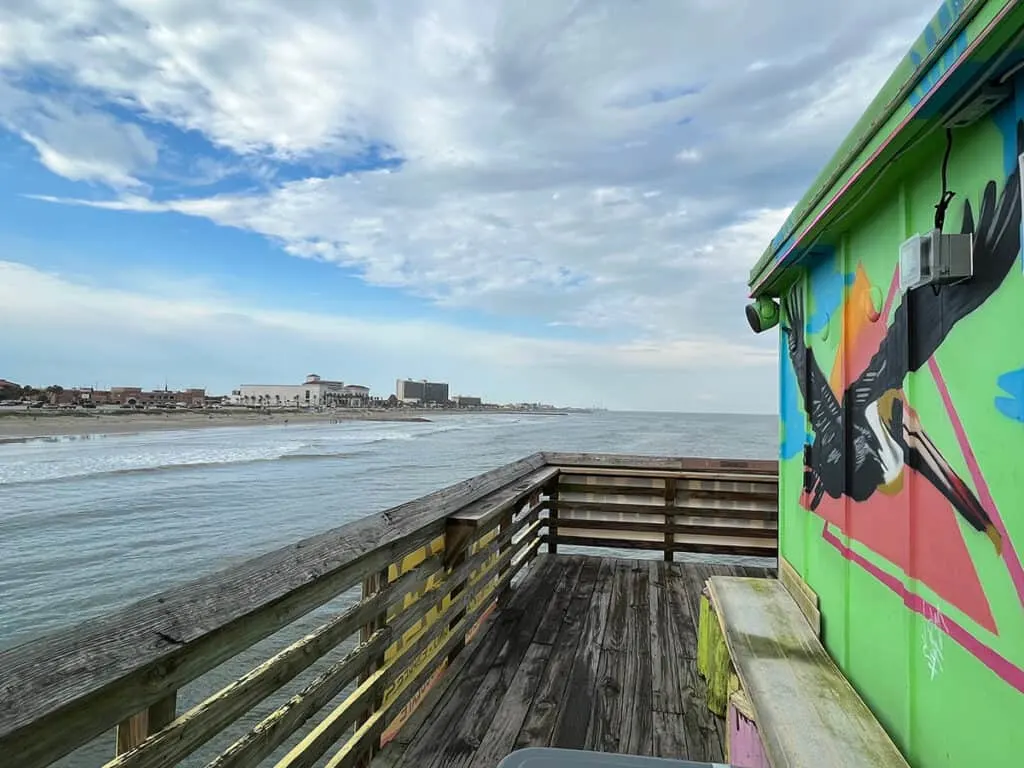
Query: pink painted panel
745,749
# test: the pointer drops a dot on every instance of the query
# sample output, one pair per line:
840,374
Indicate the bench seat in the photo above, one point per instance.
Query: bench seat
807,712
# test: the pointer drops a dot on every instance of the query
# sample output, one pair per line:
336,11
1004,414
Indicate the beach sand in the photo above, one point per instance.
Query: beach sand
21,425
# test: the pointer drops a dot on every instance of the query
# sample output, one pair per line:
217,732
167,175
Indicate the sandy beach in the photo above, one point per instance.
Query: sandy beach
21,425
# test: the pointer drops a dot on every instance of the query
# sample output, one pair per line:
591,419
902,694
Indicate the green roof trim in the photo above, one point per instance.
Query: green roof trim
940,48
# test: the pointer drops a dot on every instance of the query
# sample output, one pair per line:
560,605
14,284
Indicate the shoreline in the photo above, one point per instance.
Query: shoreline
23,427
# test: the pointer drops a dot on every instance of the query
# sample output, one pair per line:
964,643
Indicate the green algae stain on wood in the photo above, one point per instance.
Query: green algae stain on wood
713,658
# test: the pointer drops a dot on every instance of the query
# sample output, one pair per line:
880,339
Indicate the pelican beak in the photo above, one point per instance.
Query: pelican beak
924,457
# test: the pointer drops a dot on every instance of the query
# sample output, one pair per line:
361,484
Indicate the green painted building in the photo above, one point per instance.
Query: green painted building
898,287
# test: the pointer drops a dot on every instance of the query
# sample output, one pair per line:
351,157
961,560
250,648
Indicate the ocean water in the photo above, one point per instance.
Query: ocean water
92,523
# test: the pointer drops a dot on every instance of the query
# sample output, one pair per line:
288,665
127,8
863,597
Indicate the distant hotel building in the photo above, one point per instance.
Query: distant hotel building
465,401
409,391
314,392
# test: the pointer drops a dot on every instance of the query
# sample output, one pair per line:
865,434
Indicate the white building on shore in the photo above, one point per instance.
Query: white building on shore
314,392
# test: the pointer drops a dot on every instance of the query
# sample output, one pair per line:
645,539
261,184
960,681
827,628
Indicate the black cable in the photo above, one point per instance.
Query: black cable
947,196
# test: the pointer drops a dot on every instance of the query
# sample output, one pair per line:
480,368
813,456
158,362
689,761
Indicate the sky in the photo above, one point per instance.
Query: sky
551,201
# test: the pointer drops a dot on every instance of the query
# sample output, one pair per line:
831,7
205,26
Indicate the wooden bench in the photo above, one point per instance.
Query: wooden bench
806,712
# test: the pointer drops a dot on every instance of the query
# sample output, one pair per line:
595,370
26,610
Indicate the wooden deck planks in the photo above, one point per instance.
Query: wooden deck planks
589,653
574,716
542,716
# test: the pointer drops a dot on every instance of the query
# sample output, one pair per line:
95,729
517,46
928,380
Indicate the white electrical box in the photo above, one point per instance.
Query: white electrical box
935,259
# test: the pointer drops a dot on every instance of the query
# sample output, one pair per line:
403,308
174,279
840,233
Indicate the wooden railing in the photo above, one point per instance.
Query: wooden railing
706,506
429,572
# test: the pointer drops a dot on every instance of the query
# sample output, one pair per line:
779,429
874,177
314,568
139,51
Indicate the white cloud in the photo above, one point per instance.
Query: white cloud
75,140
617,167
217,342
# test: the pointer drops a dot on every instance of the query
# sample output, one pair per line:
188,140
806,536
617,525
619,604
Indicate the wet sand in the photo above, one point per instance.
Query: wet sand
20,425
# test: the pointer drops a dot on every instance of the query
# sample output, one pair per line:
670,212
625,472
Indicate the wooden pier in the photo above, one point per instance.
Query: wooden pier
478,628
608,664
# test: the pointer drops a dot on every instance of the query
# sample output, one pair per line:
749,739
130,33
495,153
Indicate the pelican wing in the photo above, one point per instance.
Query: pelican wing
925,317
822,407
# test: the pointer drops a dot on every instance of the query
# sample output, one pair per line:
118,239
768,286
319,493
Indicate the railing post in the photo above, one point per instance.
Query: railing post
670,517
137,728
503,526
372,585
457,538
553,516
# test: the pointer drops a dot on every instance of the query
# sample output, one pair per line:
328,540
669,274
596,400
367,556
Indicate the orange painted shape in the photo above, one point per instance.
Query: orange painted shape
857,316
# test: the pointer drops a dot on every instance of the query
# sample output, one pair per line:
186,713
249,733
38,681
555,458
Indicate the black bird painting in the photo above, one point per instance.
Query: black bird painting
864,443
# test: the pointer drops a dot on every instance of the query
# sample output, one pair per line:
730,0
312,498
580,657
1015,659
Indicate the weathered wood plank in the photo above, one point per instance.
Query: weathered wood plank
804,596
542,717
622,720
748,547
636,704
205,720
575,484
759,529
487,510
623,461
556,608
135,730
668,653
574,716
806,710
64,690
500,737
680,585
702,735
670,736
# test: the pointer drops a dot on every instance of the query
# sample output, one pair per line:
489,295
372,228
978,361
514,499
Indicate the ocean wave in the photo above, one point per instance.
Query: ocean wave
174,466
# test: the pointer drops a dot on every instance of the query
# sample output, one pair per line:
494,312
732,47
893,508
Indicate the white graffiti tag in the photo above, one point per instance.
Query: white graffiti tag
934,629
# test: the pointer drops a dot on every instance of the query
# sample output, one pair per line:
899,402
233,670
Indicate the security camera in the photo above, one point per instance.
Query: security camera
762,314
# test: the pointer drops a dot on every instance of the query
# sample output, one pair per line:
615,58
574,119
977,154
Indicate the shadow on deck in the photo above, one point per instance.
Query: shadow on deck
584,653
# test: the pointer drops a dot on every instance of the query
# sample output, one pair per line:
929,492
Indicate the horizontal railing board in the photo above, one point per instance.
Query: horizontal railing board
693,548
487,510
612,490
690,508
638,504
625,461
739,537
604,472
629,519
701,505
621,526
63,690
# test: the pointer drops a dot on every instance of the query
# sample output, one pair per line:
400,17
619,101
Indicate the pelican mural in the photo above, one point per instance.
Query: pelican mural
865,443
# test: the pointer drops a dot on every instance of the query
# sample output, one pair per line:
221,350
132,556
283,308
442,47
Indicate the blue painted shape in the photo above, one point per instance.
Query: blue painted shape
828,284
949,57
1013,406
794,423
